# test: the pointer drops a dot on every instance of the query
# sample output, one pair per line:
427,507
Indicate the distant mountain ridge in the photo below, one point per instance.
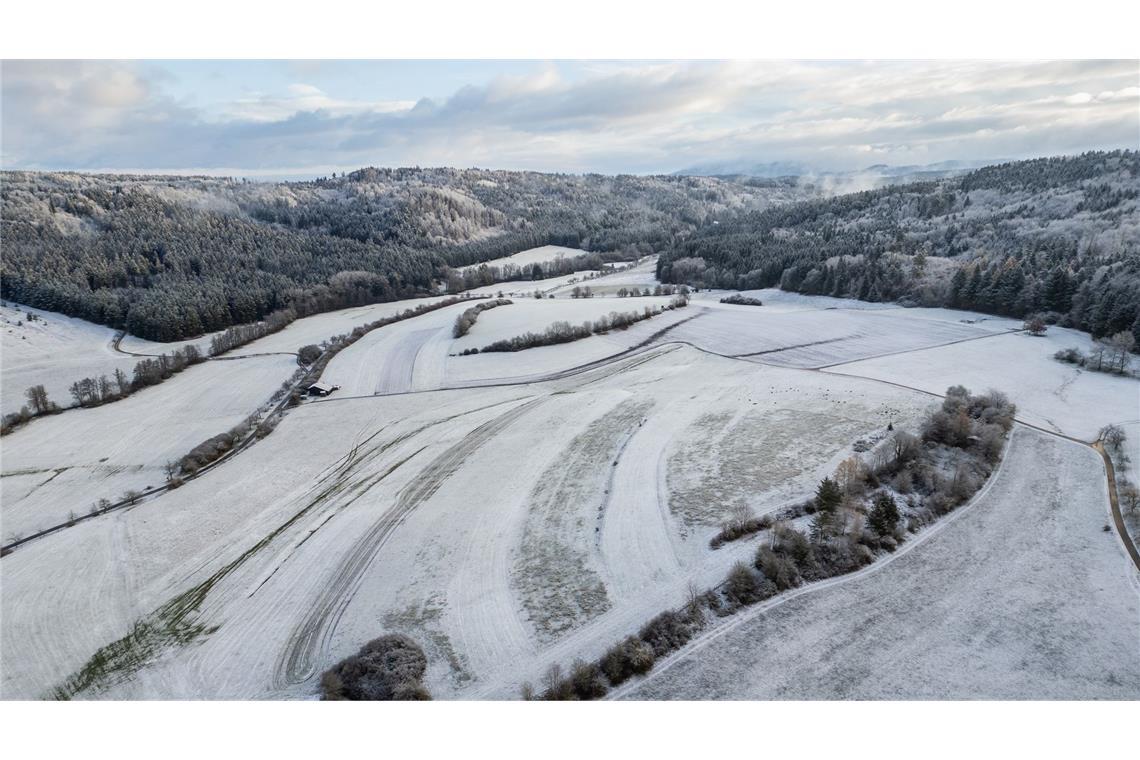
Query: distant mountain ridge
774,169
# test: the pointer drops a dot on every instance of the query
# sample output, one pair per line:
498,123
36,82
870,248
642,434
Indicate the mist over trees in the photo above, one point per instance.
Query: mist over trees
1059,237
168,258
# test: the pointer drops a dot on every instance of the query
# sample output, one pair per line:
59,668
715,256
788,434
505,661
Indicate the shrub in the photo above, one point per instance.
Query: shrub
629,658
777,568
308,354
669,631
743,587
1071,356
388,668
735,529
586,680
465,321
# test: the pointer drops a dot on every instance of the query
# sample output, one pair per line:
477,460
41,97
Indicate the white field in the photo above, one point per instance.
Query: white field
53,351
793,335
540,255
510,526
422,521
66,462
641,276
421,354
1048,393
1021,595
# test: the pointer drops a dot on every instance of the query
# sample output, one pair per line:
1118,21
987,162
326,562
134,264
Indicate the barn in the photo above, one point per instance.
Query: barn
322,389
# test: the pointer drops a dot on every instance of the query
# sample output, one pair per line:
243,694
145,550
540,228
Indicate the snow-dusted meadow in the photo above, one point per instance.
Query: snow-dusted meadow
541,255
1021,595
54,351
513,510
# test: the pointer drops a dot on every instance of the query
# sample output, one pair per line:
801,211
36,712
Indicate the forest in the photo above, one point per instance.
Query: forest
169,258
1059,237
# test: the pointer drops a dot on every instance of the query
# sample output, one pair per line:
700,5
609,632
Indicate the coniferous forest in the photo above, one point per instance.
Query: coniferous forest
1054,236
168,258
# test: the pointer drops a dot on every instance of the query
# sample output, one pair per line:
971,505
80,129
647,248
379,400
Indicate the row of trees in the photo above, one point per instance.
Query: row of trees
465,321
564,332
95,391
1112,354
239,335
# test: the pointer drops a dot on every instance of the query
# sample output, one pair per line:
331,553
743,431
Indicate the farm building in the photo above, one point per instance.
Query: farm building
322,389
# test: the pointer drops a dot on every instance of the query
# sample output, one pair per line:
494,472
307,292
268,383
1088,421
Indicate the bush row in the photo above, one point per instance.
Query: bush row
465,321
742,300
239,335
96,391
564,332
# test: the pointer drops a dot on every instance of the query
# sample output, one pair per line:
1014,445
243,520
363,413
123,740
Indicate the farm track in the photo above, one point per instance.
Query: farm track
1114,502
312,636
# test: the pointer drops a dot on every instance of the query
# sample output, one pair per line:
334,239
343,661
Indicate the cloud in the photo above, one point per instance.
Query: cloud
303,98
624,116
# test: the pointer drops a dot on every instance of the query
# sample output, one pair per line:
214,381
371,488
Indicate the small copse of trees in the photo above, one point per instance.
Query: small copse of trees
389,668
740,299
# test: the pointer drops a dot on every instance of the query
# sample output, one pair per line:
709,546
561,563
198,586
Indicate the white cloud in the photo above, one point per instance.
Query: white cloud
305,98
608,117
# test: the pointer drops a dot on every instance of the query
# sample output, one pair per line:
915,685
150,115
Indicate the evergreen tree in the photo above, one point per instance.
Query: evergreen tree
884,515
828,496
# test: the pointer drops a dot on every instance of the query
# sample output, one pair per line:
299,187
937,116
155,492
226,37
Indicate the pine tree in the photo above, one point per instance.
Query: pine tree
828,495
884,515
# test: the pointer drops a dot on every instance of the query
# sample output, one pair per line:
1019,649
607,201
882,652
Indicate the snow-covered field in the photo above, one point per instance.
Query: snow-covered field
1022,595
415,516
64,463
798,336
1048,393
540,255
53,351
513,510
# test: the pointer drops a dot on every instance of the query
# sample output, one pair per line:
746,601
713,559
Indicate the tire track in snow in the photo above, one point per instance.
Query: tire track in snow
310,639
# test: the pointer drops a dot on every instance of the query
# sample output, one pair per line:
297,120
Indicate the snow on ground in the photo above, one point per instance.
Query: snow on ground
1048,393
412,514
131,344
53,351
421,354
527,288
318,328
641,276
534,315
1021,596
540,255
504,527
807,338
65,463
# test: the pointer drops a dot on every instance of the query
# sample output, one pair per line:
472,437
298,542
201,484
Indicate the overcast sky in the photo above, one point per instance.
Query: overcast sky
276,118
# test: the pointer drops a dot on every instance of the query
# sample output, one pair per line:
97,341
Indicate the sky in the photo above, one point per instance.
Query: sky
307,118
